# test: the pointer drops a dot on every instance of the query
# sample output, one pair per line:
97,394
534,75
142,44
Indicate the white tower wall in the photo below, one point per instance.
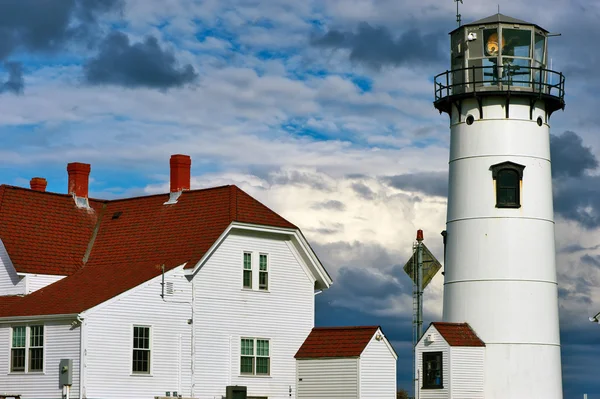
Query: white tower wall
500,273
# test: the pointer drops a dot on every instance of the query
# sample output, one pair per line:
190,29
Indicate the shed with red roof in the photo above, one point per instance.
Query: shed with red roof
346,362
449,362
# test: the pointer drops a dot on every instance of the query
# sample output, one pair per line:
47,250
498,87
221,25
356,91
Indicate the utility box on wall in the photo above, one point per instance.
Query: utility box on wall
236,392
65,372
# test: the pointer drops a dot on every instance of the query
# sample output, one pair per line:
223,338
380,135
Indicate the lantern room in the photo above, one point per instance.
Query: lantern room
500,54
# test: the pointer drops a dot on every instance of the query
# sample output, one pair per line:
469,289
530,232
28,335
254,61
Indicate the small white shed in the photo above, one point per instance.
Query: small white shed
450,361
346,362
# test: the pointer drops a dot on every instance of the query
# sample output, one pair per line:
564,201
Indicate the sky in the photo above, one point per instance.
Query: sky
321,109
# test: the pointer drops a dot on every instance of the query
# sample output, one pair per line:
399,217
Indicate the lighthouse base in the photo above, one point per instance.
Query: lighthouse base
535,371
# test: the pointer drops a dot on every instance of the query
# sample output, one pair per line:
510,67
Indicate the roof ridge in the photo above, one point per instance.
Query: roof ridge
347,327
104,200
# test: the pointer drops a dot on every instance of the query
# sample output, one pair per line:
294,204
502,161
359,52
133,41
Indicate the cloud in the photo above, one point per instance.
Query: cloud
143,64
572,248
331,205
591,260
576,193
376,47
429,183
569,156
363,190
14,83
46,27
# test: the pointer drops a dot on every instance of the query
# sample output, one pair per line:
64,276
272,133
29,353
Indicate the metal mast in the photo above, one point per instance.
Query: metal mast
421,268
458,16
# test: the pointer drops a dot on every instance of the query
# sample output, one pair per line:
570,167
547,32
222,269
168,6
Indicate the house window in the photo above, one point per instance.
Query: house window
255,357
508,177
27,348
432,370
263,273
247,270
141,350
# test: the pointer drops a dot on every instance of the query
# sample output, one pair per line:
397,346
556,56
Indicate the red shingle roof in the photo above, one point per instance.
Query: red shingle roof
336,342
46,233
458,334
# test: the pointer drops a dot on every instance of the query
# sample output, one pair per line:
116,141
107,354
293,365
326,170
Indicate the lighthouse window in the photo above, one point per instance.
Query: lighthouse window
432,370
508,177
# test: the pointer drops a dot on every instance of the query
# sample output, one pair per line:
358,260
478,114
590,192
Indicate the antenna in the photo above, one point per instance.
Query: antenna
458,20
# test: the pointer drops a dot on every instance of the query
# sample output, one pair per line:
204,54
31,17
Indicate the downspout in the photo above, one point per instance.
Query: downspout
82,353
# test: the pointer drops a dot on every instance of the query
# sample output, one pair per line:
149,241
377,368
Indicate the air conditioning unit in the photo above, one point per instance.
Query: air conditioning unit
236,392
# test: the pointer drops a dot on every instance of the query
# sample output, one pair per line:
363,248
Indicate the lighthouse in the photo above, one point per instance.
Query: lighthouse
500,287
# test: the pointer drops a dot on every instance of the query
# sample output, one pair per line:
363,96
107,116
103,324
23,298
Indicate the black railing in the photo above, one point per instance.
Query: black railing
514,78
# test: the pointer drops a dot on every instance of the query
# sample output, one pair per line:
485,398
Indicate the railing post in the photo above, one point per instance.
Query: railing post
447,83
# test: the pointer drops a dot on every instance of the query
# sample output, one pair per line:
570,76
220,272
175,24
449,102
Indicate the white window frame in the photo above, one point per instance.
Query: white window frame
244,270
255,356
254,271
149,349
260,255
27,348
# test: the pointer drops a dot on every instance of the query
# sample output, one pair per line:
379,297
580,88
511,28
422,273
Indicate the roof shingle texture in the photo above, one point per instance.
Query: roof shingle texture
458,334
323,342
46,233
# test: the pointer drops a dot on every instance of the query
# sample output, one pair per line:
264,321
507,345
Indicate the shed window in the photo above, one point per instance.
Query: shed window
508,177
432,370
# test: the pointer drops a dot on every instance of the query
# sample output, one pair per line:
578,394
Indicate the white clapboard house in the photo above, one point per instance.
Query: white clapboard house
346,363
184,293
450,362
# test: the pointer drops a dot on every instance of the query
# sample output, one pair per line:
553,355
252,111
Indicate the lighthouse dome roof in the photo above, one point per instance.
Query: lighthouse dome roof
500,18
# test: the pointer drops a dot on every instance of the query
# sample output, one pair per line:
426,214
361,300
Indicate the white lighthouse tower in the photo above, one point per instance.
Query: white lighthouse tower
500,273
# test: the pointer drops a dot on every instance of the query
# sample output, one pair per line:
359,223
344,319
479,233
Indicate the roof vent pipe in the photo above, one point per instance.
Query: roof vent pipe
38,184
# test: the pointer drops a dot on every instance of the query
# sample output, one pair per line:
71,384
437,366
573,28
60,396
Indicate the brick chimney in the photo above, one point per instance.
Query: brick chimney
38,184
180,172
79,177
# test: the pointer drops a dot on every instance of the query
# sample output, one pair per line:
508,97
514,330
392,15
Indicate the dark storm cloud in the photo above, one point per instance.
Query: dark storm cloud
14,83
146,64
44,27
569,156
331,205
363,191
300,178
376,46
591,260
569,249
429,183
578,199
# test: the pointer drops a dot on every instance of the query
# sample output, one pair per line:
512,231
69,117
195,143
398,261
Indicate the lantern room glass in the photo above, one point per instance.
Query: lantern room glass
507,55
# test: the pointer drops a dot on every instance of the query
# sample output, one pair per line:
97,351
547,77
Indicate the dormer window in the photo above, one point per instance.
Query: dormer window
508,177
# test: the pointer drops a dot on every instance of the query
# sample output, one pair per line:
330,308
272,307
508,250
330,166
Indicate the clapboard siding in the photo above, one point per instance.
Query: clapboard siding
439,345
61,342
328,378
226,313
109,336
10,282
39,281
377,371
467,372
